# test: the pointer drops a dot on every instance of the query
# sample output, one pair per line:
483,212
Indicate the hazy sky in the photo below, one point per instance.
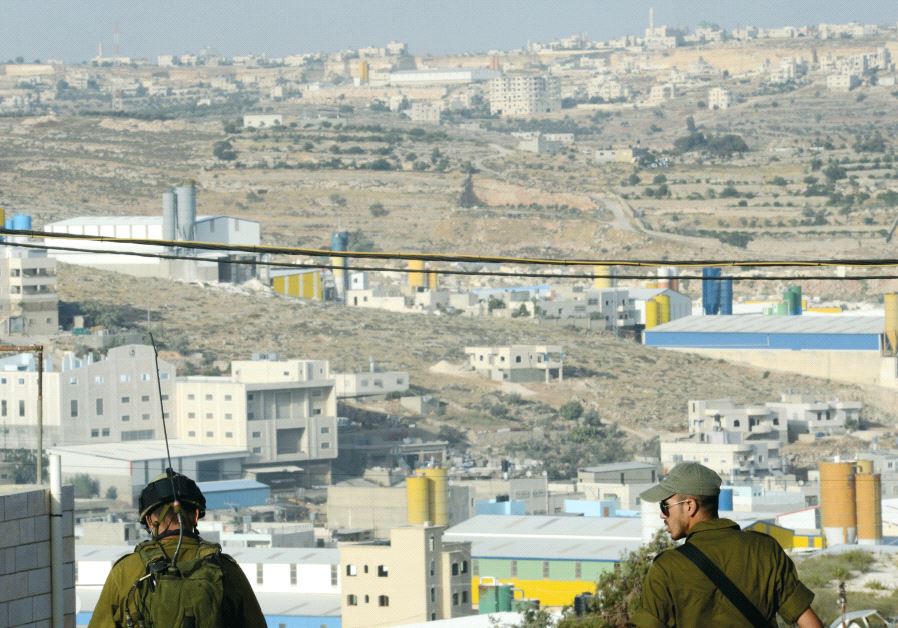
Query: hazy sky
71,29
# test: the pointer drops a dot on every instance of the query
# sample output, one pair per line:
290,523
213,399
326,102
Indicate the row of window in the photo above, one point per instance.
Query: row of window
353,600
124,378
260,574
192,434
209,415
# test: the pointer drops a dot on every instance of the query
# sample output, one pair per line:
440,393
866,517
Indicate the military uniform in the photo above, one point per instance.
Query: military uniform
239,606
677,593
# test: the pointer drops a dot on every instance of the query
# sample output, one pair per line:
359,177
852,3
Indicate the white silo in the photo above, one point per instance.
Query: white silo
186,210
169,215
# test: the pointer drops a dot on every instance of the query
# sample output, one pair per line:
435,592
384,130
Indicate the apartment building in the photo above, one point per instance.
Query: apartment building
371,383
803,414
109,399
518,363
427,112
29,304
413,577
842,82
719,98
620,481
524,95
283,412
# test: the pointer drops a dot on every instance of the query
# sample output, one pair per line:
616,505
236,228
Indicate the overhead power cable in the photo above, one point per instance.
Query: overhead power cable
461,257
447,271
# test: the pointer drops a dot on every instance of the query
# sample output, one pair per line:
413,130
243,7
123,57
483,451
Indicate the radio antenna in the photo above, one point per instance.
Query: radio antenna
161,404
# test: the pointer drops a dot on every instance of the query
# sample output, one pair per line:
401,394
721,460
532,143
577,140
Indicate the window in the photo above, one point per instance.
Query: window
333,575
325,445
126,418
137,435
514,569
191,397
578,570
126,399
464,566
351,570
105,431
383,600
229,434
227,397
144,398
325,430
145,417
464,596
210,434
228,416
191,433
257,434
260,573
191,415
144,377
73,407
99,379
164,397
293,575
316,411
257,450
73,381
124,378
455,599
454,569
3,407
545,569
208,415
22,407
433,594
736,423
352,600
383,571
163,376
93,433
365,568
208,397
99,403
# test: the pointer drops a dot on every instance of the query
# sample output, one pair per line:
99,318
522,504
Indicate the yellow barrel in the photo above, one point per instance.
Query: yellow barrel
652,313
864,466
869,508
605,281
664,308
431,280
837,502
439,495
416,278
418,496
891,327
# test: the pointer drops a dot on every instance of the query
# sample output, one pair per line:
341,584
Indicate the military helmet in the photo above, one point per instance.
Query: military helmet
159,492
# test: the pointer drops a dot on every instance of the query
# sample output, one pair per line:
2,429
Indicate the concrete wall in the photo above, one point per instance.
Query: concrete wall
25,556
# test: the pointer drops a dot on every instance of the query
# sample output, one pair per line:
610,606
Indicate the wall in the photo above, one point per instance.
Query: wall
25,551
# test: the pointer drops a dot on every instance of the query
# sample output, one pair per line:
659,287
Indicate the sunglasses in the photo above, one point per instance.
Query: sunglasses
665,507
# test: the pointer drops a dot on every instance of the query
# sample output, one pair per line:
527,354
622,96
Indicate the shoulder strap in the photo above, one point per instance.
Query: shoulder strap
724,584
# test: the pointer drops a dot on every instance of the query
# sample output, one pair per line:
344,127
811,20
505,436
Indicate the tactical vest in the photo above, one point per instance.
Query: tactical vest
189,596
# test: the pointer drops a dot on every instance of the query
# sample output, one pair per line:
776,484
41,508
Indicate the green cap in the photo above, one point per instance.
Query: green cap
687,478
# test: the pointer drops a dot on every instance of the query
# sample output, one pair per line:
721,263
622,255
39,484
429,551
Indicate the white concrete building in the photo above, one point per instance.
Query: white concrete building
518,363
426,112
803,414
719,98
284,412
660,94
371,383
842,82
524,95
108,400
622,481
262,120
29,304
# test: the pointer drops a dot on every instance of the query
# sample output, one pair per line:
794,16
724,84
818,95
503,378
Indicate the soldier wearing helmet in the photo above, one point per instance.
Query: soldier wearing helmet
175,579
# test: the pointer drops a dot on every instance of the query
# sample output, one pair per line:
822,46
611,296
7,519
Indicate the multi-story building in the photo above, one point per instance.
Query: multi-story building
371,382
415,577
29,305
807,415
524,95
423,111
719,98
109,400
661,93
518,363
842,82
281,411
621,481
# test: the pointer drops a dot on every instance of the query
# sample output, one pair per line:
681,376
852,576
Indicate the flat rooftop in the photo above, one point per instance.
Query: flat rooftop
762,324
544,527
279,555
149,450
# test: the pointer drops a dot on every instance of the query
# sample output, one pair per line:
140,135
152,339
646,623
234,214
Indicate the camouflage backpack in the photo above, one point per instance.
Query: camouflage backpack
187,597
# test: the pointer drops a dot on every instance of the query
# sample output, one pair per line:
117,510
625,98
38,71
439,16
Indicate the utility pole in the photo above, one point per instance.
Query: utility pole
39,453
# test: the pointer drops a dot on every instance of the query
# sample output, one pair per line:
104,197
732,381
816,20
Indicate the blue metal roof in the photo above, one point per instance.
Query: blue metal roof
230,485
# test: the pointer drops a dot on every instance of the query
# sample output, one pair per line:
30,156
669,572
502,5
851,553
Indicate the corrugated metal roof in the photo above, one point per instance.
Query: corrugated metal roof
577,550
230,485
619,466
282,555
535,527
759,323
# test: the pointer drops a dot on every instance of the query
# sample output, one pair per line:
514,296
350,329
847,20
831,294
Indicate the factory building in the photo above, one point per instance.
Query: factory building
178,222
86,400
283,412
844,348
550,559
29,304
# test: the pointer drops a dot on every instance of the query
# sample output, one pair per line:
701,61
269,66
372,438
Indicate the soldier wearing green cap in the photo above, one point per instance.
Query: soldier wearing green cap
175,579
725,576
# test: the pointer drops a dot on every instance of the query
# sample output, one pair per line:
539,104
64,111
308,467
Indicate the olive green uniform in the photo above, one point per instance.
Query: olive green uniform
677,593
239,608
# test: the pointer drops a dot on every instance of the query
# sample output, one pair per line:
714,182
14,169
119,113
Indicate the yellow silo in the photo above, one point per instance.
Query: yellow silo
652,313
431,280
605,278
418,496
890,346
363,71
837,502
869,507
664,308
417,277
439,495
864,466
